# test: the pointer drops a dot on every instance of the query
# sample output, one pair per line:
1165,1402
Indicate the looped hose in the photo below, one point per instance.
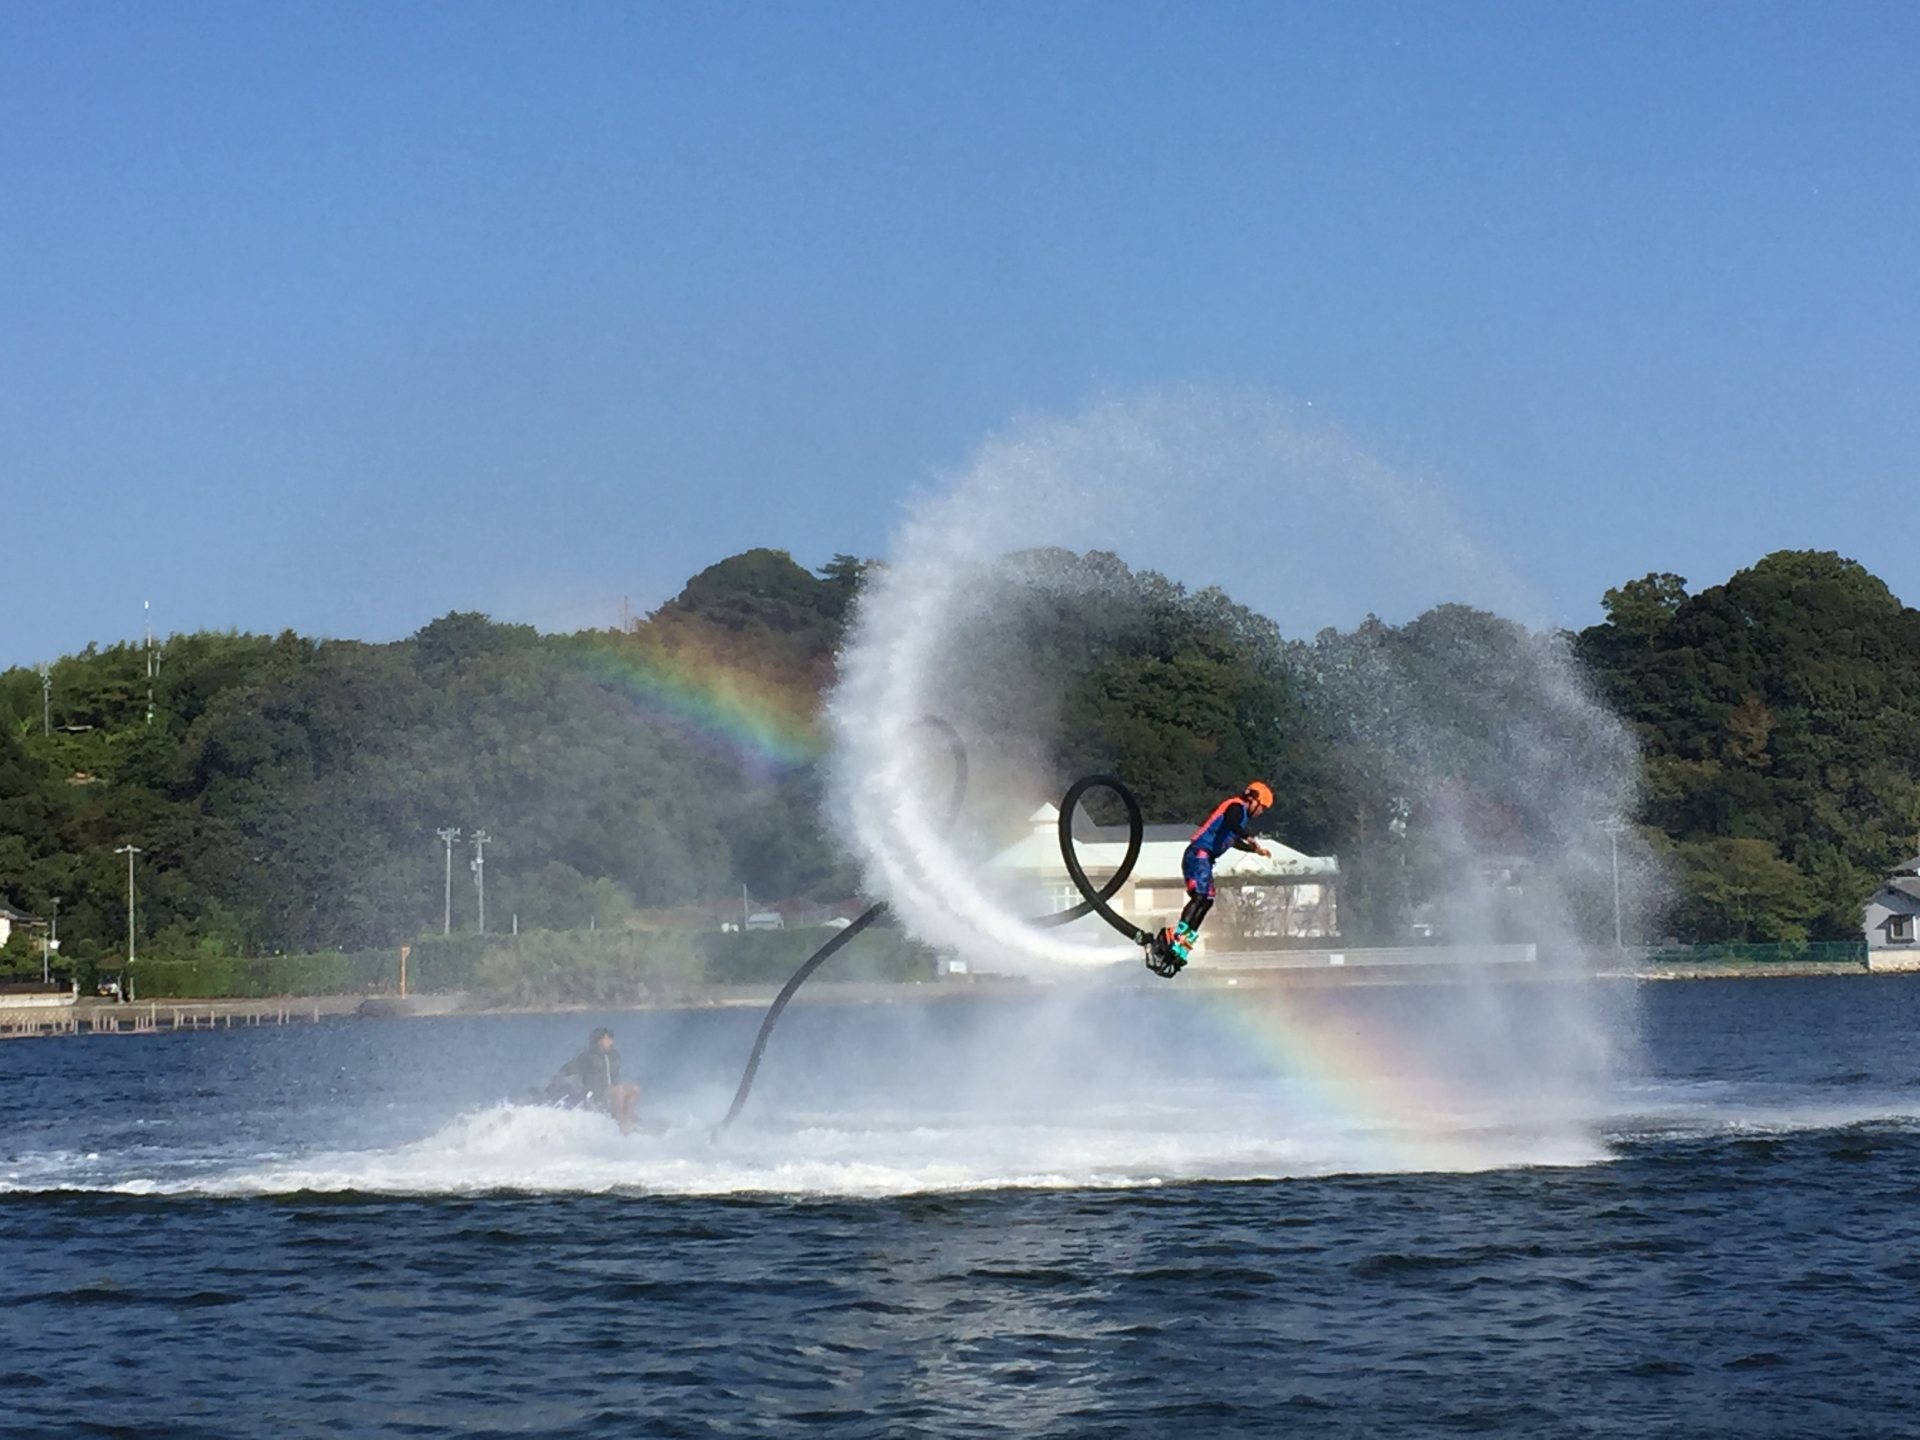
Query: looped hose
1094,902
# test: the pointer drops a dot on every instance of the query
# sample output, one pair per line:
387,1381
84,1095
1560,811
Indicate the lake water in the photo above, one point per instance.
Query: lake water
1682,1209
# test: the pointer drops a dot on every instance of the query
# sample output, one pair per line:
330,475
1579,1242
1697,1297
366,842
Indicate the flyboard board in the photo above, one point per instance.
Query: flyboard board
1166,956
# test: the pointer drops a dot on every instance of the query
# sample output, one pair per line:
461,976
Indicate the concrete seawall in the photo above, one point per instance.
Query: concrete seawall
147,1017
1269,970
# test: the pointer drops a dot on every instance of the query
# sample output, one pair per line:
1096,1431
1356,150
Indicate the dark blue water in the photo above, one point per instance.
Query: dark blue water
951,1219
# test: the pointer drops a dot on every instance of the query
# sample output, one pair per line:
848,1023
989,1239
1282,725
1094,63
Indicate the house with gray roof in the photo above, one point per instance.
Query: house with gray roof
1892,918
9,918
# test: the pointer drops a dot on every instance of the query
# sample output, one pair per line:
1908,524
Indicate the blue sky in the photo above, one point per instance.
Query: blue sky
338,317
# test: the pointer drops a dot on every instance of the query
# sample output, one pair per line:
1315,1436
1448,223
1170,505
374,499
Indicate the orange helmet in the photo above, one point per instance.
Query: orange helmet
1260,793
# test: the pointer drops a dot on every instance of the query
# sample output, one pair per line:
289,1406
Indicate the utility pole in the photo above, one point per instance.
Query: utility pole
746,910
148,604
129,850
446,917
1613,829
46,700
480,839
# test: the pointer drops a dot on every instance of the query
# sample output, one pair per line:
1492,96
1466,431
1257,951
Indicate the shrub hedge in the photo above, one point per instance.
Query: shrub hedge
601,967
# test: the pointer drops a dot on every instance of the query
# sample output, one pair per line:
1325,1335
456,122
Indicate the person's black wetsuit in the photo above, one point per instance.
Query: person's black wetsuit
587,1079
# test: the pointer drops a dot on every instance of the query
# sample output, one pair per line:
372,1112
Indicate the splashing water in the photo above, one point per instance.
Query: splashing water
1288,516
1211,489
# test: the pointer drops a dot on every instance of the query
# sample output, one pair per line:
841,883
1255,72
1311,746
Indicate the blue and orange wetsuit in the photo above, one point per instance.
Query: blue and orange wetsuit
1225,829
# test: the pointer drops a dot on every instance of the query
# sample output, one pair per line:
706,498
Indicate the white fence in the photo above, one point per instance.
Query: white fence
1356,958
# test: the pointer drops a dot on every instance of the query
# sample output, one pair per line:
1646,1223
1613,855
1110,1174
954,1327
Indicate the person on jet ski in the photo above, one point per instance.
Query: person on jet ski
592,1079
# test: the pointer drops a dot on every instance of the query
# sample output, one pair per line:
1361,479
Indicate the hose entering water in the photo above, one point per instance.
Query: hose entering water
1093,901
812,963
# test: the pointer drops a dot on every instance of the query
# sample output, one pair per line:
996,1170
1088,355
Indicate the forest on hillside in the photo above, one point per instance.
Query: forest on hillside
286,793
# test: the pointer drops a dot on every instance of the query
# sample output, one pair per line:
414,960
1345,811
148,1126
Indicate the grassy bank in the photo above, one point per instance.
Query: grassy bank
539,968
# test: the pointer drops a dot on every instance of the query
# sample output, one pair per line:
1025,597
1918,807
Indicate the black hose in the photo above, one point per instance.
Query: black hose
812,963
1093,901
957,752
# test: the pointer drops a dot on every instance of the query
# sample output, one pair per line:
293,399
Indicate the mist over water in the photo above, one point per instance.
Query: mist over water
1287,515
1070,1087
1081,1086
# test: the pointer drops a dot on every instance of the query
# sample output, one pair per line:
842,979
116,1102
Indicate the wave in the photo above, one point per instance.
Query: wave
873,1152
535,1150
1725,1110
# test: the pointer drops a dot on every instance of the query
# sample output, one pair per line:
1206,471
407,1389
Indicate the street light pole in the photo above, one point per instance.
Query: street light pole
46,969
129,851
446,917
480,839
1613,829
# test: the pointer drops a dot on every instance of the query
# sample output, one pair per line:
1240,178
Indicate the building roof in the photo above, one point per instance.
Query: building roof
16,916
1898,896
1907,867
1103,847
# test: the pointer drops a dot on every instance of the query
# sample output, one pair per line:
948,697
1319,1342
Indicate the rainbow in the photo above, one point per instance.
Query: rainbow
1360,1076
767,725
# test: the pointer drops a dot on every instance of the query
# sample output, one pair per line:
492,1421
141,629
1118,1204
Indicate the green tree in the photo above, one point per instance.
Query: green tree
1742,890
1781,707
1641,609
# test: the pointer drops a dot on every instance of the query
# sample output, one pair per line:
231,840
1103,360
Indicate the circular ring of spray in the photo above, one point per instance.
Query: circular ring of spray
1093,901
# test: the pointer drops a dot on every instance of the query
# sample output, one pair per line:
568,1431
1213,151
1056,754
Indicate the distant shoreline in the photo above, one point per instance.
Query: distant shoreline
1743,970
162,1015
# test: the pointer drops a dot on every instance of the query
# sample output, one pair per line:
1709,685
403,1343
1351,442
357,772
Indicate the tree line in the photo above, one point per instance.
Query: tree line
286,791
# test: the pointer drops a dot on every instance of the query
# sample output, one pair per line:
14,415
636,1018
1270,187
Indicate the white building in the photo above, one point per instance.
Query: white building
1286,895
10,918
1892,916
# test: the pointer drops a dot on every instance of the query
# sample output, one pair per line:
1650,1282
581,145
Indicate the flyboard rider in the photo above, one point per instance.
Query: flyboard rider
1225,829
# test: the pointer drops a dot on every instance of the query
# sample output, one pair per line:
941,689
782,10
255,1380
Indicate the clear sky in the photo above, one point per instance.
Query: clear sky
341,316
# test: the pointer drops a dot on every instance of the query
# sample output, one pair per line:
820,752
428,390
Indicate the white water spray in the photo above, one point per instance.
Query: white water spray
1229,491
